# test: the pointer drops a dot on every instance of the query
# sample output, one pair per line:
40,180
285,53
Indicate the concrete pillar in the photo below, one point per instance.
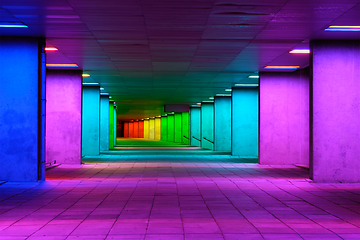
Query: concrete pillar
126,129
131,129
207,126
171,128
195,126
91,121
158,128
63,116
164,128
152,128
222,124
245,121
104,122
284,118
185,128
111,125
136,129
335,111
177,131
147,128
19,109
141,129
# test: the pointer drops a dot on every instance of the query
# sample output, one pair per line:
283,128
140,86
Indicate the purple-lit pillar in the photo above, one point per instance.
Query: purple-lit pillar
63,118
284,118
335,111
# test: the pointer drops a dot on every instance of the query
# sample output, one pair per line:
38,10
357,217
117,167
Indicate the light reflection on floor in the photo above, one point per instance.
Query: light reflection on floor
178,195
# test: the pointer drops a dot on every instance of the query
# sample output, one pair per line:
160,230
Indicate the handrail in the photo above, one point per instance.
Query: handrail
186,137
208,140
196,138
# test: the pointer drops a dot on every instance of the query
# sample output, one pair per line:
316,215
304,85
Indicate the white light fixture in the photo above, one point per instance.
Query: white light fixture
228,90
211,98
223,95
85,75
253,76
246,85
102,88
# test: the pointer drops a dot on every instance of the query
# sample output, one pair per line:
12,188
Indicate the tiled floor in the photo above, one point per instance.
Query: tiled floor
178,195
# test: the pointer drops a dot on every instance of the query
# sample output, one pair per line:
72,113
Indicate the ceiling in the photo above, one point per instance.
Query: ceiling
149,53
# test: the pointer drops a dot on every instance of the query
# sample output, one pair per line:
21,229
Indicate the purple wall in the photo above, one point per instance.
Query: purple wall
335,143
63,116
284,118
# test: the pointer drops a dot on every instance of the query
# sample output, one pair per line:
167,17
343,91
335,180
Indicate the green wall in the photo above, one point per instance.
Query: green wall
164,129
171,127
177,133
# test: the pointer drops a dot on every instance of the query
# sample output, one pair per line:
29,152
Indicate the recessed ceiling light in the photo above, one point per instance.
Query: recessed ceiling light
282,67
86,75
343,28
103,93
12,25
223,95
247,85
61,65
102,88
110,96
300,51
211,98
207,101
228,90
91,83
51,49
253,76
198,103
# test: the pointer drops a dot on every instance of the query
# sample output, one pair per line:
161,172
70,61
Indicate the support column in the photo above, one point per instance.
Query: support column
245,122
22,71
284,118
146,128
104,122
164,128
222,124
171,128
207,126
335,111
185,128
152,128
126,129
177,131
63,116
111,125
131,129
91,121
195,126
141,129
136,129
158,128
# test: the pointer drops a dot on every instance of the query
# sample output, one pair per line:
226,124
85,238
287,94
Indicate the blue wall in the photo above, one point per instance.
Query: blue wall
207,126
195,125
222,118
245,122
91,121
19,112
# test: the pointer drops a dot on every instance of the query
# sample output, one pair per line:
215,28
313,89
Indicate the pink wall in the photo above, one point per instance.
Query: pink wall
336,111
284,118
63,116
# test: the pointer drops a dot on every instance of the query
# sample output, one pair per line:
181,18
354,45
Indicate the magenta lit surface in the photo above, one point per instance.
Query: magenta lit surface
63,116
336,111
177,195
284,118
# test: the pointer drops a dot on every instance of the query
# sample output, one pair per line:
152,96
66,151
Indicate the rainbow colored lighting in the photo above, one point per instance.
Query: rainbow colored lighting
282,67
303,51
61,65
51,49
343,28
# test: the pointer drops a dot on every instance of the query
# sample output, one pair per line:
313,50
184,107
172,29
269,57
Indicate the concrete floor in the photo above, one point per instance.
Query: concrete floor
178,195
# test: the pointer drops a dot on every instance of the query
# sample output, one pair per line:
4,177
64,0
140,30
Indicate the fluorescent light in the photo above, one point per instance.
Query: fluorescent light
223,95
103,93
13,25
207,101
102,88
194,105
253,76
90,83
282,67
51,49
110,96
198,103
300,51
343,28
61,65
247,85
228,90
211,98
86,75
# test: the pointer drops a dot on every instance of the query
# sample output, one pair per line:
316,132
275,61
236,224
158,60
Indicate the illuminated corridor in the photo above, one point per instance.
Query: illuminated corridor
178,195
